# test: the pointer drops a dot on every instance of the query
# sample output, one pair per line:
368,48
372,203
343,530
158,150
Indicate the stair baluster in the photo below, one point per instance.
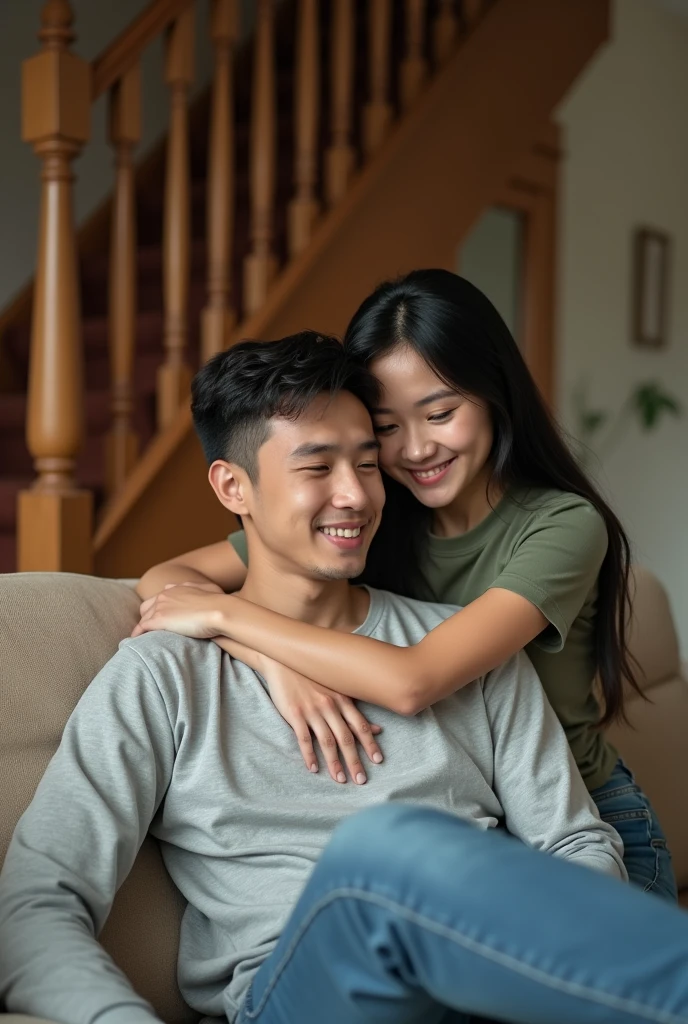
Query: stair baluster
414,67
218,316
304,207
340,158
471,11
377,113
445,31
122,445
174,376
260,265
54,517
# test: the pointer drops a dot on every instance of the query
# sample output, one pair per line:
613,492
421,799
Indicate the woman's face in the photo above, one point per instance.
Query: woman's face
434,440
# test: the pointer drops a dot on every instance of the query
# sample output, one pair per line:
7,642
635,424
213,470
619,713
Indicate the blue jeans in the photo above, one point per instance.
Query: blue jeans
622,803
413,916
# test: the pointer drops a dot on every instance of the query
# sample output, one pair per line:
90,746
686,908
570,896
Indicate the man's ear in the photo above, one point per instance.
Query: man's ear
231,485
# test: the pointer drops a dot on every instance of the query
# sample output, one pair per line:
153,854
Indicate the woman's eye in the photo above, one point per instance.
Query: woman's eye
439,417
384,428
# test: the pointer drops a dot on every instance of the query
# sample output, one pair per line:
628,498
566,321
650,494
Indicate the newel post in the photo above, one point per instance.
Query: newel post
55,517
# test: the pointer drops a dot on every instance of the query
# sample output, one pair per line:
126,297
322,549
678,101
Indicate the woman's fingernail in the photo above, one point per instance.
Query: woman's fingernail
377,757
341,777
360,778
313,768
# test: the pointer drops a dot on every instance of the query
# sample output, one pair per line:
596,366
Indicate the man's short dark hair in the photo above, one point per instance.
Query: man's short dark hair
236,394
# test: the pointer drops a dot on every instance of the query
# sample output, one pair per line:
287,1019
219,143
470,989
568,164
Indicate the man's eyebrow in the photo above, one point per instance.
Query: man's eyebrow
428,400
308,449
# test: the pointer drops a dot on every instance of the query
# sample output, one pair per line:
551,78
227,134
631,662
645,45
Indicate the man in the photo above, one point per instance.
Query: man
179,739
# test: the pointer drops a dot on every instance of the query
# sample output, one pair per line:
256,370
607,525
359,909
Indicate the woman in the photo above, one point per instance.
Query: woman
486,508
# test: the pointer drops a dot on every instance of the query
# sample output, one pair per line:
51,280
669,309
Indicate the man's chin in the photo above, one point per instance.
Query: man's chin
338,572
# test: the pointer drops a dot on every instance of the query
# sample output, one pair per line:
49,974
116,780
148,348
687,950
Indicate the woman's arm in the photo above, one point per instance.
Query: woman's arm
404,679
464,647
216,563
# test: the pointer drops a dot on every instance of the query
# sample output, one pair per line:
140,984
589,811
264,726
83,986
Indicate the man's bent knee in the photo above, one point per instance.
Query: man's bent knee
392,834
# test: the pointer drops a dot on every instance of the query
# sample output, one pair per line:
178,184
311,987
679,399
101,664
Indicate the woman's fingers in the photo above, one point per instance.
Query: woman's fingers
362,729
305,741
328,744
346,742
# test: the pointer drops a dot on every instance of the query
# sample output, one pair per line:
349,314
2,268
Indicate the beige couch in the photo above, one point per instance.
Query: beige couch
57,630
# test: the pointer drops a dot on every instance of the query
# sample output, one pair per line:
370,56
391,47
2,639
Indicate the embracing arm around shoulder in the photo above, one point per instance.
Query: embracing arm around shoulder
75,845
404,679
216,563
544,583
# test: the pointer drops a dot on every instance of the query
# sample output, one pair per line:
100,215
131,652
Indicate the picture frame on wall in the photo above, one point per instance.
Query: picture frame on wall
651,267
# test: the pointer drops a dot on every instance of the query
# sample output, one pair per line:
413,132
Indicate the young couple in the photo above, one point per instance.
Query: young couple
416,909
486,509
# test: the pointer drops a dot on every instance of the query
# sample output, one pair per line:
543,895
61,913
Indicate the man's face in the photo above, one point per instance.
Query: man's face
319,494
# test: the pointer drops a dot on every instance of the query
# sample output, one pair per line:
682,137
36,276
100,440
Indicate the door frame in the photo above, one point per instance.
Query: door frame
532,191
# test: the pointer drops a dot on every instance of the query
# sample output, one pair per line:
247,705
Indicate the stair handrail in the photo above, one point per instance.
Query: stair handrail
123,52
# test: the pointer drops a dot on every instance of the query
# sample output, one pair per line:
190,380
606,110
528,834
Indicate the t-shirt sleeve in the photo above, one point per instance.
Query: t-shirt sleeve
238,542
555,565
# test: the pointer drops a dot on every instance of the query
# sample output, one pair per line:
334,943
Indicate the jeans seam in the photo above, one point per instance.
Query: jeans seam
472,945
619,791
650,885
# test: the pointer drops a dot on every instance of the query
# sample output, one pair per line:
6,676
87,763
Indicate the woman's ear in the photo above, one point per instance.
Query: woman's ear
231,485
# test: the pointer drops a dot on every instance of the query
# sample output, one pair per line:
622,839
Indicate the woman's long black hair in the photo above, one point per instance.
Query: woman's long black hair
459,333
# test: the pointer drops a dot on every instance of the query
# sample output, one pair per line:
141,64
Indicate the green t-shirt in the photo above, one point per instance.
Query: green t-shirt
548,546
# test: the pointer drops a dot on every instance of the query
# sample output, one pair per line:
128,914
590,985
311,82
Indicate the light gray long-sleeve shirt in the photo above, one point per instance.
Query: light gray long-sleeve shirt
175,738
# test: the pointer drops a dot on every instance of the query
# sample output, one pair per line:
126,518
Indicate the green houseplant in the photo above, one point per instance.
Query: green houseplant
648,404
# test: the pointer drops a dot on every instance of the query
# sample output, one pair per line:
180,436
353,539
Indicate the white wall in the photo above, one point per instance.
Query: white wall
626,165
97,22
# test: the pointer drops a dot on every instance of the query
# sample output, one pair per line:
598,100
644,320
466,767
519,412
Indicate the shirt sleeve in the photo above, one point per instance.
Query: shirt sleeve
238,542
545,801
75,845
555,565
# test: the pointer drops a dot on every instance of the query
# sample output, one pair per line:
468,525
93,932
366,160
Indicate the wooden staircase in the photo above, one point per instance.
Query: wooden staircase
437,107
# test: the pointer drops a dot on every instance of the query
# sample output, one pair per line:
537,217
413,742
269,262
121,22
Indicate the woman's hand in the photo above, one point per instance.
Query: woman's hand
174,608
313,710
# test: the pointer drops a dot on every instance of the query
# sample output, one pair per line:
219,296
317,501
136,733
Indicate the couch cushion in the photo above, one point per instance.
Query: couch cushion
653,744
57,630
652,637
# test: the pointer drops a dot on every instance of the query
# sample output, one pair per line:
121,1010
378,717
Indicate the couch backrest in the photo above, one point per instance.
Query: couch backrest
57,630
653,742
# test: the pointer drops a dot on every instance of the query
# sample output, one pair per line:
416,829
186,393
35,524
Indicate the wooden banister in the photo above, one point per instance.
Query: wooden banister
340,157
445,31
218,316
304,207
126,50
377,113
125,134
54,518
174,376
471,11
413,67
260,266
55,527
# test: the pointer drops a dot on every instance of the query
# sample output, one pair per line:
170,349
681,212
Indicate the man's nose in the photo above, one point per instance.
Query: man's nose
349,492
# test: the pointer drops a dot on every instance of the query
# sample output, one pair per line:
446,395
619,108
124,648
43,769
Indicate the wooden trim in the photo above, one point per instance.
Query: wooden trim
536,198
126,50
